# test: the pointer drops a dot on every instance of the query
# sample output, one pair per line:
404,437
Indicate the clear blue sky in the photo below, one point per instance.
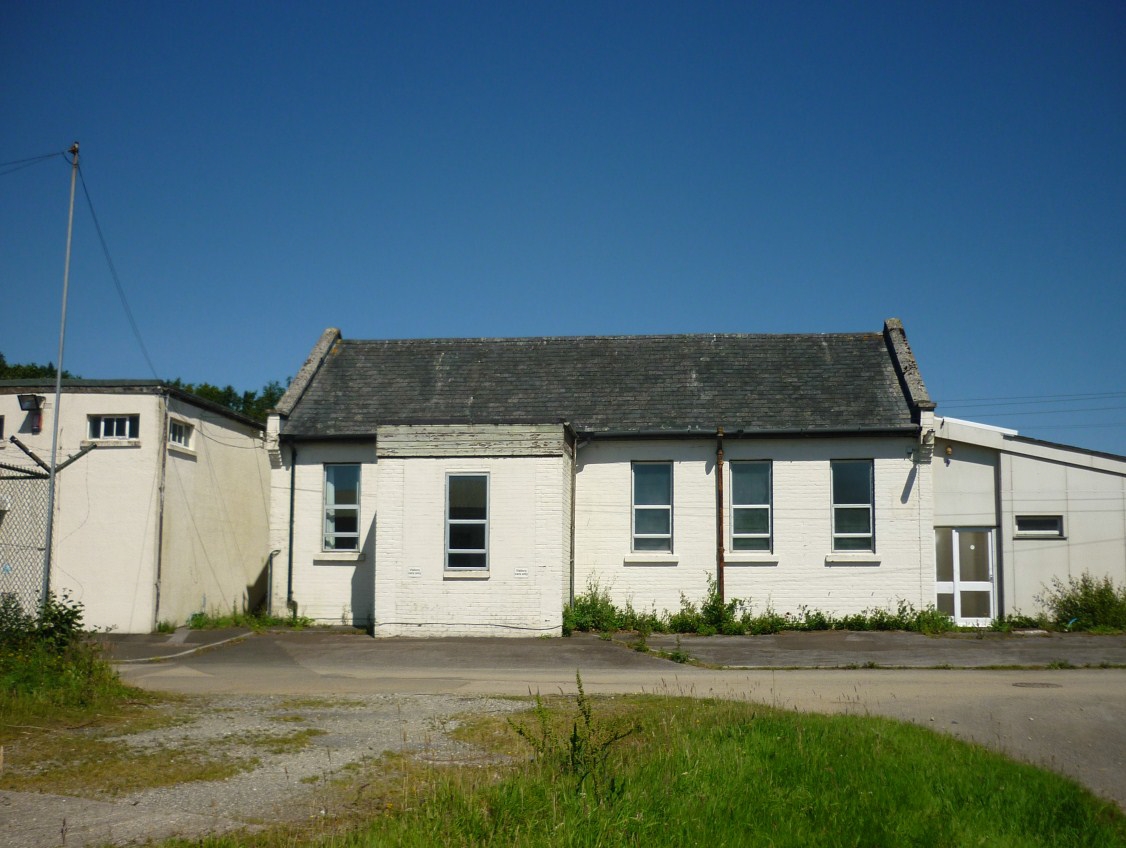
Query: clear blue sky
262,171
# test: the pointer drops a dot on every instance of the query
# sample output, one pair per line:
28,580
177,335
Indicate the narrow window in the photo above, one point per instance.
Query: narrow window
342,508
467,521
1040,526
180,433
1,428
852,505
750,506
652,506
114,426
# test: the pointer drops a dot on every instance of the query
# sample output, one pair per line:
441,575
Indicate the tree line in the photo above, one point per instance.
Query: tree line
252,404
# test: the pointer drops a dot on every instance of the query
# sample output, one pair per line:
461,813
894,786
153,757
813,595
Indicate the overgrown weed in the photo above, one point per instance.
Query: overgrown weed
1085,603
594,610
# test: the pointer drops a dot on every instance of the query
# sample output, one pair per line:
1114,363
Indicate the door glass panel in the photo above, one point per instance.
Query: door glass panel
944,558
946,603
975,604
973,556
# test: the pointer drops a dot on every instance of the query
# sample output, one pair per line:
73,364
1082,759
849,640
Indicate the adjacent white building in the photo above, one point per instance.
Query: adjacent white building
1011,514
165,516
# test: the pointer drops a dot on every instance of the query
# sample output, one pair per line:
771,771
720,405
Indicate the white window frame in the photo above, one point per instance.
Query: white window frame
97,429
636,507
870,505
330,537
483,553
1059,533
768,506
182,439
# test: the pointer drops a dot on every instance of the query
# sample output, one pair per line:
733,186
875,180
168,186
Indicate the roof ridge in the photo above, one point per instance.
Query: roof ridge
612,337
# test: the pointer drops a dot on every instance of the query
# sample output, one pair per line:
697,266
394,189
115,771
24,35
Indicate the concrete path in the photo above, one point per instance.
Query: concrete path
1072,720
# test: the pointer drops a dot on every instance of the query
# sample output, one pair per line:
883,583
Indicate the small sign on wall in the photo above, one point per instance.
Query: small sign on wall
521,572
414,572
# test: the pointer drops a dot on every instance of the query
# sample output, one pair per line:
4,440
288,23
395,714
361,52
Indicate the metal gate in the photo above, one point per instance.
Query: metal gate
23,532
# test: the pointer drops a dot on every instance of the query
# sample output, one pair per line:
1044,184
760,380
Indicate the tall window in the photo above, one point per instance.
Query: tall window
342,508
852,505
652,506
467,521
750,506
114,426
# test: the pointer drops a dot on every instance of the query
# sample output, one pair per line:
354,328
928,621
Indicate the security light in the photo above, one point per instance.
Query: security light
30,403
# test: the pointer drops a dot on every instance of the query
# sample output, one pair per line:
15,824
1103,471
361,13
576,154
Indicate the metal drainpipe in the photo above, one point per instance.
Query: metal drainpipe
289,603
163,442
719,514
574,474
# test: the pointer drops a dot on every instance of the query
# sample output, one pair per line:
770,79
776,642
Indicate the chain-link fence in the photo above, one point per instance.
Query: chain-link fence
23,533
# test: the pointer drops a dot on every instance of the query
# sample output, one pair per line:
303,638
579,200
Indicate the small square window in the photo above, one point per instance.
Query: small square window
180,433
114,426
1040,526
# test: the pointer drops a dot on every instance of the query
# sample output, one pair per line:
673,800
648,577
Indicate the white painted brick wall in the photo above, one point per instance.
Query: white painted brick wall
330,587
520,596
797,574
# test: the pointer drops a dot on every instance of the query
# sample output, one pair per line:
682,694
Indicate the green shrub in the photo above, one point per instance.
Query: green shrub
592,611
1085,603
46,661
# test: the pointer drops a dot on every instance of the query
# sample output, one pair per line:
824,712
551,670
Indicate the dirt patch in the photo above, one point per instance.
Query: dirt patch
294,755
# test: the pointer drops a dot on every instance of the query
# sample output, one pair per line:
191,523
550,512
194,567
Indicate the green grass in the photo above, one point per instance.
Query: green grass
678,772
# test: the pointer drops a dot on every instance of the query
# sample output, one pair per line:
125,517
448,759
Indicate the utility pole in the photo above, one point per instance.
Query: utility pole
58,387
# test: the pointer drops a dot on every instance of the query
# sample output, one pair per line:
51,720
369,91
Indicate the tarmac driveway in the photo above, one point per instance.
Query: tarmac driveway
1069,719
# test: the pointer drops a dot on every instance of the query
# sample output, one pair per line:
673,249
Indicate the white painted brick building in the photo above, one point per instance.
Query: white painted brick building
453,486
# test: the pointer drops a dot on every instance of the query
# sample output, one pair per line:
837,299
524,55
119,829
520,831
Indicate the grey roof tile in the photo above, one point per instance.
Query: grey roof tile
604,384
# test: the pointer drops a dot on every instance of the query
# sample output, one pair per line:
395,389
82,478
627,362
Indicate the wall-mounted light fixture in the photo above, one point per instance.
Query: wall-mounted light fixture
33,404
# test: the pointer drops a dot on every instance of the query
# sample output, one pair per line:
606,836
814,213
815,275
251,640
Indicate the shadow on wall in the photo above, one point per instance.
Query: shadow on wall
363,585
257,591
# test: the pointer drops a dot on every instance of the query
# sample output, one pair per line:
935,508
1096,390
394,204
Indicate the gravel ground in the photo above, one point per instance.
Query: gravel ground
286,785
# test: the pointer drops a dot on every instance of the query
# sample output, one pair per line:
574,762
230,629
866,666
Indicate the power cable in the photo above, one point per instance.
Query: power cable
20,164
1020,400
116,279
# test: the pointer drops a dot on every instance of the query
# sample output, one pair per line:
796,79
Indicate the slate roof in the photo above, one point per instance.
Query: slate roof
757,384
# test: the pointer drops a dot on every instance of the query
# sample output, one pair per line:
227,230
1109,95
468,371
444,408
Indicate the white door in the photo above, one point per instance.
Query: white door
964,574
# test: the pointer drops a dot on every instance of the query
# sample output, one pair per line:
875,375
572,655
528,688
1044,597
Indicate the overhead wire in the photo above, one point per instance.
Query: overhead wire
19,164
116,278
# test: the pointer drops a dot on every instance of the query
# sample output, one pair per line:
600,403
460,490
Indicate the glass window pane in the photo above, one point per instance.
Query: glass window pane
854,543
1040,524
652,484
946,603
973,555
342,484
752,520
467,537
342,521
944,557
851,520
750,483
469,496
466,561
652,544
652,521
852,482
744,544
975,604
